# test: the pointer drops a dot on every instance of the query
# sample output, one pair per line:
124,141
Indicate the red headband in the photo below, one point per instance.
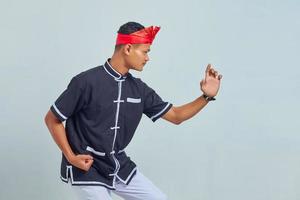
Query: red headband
144,36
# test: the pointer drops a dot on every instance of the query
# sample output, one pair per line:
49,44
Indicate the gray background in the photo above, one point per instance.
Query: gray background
243,146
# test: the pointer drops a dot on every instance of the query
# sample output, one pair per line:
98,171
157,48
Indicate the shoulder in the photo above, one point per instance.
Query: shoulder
89,73
86,77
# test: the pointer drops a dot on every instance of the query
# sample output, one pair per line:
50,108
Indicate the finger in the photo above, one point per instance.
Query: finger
82,166
88,165
85,168
207,71
91,162
88,157
88,162
216,74
208,68
211,71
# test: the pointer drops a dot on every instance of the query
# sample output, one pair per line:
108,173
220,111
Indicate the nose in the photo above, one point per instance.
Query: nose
147,58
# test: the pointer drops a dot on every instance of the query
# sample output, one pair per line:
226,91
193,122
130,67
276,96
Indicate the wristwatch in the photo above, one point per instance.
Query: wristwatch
207,98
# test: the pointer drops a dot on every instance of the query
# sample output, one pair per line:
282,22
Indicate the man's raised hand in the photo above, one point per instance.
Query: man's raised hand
211,83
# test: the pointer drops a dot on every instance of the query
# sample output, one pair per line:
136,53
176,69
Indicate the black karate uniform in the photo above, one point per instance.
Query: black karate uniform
102,109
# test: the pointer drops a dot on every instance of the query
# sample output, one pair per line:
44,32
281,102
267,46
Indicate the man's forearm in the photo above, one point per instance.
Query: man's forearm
58,133
188,110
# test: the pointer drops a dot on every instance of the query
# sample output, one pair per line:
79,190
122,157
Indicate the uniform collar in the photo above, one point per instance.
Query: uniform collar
112,72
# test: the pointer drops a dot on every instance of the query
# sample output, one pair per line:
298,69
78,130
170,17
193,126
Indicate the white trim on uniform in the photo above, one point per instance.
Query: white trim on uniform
118,101
129,176
64,179
133,100
108,72
90,149
114,127
121,151
69,167
112,152
117,165
114,69
58,112
160,111
118,110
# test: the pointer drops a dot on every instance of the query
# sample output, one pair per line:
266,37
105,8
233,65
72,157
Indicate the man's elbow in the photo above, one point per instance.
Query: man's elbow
47,118
173,116
50,119
177,121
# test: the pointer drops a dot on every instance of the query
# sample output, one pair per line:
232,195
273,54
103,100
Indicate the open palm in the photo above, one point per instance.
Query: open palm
211,83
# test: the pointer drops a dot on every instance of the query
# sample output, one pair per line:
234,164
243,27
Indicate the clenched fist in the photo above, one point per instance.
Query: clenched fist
82,161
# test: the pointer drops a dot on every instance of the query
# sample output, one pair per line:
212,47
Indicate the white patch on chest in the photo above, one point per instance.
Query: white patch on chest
133,100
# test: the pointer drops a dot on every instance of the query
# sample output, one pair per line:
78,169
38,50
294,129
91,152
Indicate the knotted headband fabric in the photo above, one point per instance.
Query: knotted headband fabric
143,36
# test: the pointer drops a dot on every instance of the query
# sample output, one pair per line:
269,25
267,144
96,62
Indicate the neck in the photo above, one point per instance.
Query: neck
118,63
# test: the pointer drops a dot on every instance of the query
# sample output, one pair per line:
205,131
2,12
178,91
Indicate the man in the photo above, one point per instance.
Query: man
102,108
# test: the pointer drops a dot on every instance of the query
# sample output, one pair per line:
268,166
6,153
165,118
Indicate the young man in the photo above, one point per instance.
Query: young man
102,108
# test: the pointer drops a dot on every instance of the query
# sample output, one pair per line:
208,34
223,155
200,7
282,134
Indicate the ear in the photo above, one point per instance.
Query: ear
127,49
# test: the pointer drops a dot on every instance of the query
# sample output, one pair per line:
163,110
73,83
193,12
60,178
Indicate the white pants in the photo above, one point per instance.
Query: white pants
139,188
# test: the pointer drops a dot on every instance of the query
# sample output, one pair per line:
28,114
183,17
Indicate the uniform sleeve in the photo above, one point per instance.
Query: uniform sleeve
154,106
70,101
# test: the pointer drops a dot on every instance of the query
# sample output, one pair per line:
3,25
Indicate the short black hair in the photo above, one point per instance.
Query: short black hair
130,27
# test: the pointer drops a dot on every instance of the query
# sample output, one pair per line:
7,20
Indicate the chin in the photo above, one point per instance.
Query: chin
140,68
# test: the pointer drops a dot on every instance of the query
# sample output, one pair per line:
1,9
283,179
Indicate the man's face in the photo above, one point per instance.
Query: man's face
138,56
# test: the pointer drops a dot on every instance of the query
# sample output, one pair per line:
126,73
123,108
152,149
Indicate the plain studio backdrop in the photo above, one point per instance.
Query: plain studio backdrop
245,145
